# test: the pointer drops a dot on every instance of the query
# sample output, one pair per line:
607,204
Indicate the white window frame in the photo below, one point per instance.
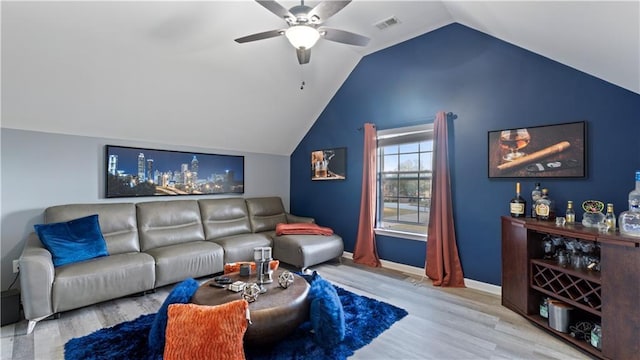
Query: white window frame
410,134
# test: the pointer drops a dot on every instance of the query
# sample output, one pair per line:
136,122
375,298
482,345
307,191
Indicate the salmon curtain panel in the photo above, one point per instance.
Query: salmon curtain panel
442,262
365,251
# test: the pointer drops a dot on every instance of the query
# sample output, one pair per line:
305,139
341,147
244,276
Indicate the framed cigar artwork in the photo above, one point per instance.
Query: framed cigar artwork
551,151
329,164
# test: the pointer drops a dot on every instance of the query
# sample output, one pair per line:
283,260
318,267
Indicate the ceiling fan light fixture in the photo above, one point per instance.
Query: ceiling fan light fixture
302,36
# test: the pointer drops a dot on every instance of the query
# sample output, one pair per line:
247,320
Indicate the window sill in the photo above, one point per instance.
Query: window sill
400,234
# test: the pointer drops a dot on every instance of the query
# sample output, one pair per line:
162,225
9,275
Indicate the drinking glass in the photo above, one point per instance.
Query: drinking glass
549,248
513,141
321,169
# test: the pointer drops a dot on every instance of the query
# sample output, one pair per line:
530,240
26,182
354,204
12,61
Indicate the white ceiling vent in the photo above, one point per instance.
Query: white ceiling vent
387,23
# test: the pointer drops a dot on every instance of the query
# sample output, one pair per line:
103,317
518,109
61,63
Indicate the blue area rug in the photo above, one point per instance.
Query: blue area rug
365,319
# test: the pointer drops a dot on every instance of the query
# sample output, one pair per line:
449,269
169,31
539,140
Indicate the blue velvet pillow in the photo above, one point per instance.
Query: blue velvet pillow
74,240
326,313
181,294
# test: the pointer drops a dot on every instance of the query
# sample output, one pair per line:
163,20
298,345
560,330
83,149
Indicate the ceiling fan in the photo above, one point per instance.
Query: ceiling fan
304,28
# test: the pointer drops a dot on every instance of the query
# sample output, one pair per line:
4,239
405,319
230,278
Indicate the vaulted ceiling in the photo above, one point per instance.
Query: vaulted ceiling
170,72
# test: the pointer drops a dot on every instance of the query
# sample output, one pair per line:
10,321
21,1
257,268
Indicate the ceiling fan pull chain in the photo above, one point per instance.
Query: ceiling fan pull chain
302,77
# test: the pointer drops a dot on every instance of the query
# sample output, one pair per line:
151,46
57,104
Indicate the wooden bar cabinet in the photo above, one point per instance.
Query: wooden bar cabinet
610,297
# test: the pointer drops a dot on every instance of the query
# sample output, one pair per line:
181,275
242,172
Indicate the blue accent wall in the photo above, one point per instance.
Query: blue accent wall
489,85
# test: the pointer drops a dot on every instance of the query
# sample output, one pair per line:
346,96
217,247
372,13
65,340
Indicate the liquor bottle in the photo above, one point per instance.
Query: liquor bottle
610,218
545,207
535,195
570,214
629,221
518,206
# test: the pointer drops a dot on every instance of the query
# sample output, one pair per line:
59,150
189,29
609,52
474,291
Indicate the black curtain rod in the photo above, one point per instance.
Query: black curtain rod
450,115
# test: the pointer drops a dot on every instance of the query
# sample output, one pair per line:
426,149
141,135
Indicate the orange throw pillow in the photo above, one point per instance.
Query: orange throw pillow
206,332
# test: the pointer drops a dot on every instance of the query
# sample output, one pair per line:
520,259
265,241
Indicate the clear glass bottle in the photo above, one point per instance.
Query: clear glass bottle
545,207
518,206
596,337
570,214
610,218
629,221
544,308
535,195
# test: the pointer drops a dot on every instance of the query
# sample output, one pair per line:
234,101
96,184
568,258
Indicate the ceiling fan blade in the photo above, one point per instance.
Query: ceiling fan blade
304,55
325,10
260,36
344,37
276,8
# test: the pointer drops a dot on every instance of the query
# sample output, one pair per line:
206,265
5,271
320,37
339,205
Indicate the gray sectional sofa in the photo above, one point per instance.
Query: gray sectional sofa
157,243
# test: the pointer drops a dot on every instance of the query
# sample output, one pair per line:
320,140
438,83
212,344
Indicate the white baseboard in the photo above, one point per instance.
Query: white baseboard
413,270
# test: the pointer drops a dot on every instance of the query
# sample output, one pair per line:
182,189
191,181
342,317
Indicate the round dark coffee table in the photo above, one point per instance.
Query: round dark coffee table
274,315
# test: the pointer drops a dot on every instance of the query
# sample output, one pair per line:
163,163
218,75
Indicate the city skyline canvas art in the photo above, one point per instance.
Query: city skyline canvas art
136,172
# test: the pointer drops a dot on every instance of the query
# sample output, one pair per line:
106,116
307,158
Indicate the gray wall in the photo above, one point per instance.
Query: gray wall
43,169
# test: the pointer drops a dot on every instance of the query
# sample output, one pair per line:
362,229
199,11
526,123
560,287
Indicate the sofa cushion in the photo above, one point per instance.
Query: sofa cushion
163,223
73,241
117,222
100,279
265,213
180,261
181,294
240,247
224,217
307,250
206,332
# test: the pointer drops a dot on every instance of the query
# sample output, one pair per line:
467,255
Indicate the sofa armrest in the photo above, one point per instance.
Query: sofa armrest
36,279
299,219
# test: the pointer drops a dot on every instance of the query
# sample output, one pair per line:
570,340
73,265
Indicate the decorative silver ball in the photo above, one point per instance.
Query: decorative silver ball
285,279
251,292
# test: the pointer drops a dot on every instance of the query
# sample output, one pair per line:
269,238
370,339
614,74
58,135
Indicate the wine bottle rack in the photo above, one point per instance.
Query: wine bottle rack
579,288
609,297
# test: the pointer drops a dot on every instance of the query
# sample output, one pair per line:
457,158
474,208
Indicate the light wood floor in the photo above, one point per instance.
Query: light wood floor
442,323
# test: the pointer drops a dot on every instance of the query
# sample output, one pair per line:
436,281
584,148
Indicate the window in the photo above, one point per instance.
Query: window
404,181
